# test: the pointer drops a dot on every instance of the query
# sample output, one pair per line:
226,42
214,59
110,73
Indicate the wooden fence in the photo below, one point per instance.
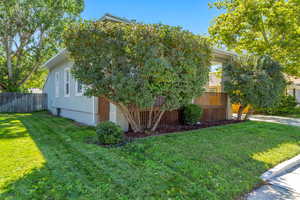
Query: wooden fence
12,102
171,117
214,107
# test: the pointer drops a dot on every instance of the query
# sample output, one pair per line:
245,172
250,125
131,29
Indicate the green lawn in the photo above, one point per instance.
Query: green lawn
45,157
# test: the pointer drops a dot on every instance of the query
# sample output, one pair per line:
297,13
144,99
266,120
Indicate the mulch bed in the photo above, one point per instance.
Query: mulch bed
179,128
131,136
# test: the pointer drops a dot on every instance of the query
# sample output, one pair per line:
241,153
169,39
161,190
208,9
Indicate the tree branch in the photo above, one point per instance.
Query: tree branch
2,86
263,30
38,62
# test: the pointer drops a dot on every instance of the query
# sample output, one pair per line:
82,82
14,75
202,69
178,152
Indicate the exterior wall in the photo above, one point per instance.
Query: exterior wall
294,90
80,108
229,109
116,116
298,95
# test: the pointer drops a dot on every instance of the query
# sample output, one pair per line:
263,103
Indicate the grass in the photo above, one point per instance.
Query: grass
46,157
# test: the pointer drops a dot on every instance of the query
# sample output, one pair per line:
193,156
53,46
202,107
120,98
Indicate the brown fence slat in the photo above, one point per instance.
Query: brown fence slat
103,109
12,102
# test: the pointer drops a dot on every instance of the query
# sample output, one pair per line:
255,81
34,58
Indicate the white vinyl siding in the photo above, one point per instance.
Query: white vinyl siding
67,82
56,84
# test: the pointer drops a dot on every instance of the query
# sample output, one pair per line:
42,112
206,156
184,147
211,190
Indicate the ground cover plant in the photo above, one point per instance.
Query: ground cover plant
46,157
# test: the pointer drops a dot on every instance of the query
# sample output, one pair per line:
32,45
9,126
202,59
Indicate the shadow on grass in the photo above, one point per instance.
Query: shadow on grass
213,163
9,129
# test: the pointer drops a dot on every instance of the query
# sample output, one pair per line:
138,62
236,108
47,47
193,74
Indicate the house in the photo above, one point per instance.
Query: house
65,94
215,82
293,88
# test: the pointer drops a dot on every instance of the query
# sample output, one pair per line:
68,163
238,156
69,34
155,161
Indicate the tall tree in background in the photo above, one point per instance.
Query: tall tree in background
254,81
30,33
264,27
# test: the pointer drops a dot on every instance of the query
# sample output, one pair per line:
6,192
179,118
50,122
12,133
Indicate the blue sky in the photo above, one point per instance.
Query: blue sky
192,15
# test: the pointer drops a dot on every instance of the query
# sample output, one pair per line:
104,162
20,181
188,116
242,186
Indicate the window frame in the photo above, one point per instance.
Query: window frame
67,71
56,84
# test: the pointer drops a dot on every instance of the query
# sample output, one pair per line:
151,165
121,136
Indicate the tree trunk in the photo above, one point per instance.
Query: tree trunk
129,117
134,119
157,121
249,113
240,112
8,57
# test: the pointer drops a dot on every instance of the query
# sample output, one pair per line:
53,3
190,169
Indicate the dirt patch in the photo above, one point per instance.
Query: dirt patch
179,128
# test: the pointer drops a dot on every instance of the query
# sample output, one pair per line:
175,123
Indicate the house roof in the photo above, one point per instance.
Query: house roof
219,55
110,17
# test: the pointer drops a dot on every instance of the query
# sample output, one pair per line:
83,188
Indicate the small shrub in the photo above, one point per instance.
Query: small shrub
109,133
191,114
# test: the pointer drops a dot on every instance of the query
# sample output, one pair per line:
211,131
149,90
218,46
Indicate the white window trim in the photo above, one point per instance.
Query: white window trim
56,84
76,86
65,81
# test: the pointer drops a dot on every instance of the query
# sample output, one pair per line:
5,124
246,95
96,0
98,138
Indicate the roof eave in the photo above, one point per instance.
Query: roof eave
59,57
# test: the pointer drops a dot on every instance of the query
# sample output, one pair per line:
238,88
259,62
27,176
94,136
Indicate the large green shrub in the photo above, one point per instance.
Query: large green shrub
134,65
192,114
255,81
109,133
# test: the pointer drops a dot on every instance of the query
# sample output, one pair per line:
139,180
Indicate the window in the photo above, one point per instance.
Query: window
67,82
56,84
79,88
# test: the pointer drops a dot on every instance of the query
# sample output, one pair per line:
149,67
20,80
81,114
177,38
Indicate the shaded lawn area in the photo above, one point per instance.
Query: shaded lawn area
46,157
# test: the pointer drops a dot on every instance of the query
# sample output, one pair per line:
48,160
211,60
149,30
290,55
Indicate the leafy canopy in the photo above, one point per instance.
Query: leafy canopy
254,81
30,33
133,65
264,27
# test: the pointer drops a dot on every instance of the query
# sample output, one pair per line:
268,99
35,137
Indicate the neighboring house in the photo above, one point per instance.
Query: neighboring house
65,94
35,90
294,88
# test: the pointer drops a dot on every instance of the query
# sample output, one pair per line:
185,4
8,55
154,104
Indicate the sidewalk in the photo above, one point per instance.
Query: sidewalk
276,119
285,186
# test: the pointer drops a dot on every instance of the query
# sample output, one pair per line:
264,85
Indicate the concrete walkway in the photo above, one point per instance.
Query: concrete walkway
275,119
285,186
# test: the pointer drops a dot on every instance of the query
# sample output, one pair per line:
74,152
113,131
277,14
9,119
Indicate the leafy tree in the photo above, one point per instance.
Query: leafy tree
264,27
137,66
257,82
30,33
